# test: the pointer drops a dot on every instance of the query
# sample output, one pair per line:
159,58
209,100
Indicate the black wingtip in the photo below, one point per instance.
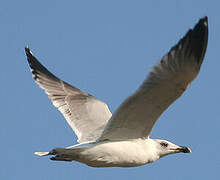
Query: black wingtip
35,65
196,40
204,19
202,25
27,49
30,56
199,39
28,52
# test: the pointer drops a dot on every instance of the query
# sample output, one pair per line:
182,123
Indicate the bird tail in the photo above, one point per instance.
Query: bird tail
42,153
58,156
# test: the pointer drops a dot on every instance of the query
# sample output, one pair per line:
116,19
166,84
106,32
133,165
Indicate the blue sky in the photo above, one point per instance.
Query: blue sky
105,48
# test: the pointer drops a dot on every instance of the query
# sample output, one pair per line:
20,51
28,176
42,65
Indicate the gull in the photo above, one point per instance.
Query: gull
122,139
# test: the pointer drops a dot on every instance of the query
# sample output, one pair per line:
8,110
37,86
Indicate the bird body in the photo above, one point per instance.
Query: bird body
121,153
122,139
128,153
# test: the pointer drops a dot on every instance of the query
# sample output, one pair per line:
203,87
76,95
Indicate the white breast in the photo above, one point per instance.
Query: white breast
119,153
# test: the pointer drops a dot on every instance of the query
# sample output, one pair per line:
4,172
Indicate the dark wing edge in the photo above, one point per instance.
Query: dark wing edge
195,40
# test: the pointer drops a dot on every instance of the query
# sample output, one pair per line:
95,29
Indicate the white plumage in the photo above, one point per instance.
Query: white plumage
122,139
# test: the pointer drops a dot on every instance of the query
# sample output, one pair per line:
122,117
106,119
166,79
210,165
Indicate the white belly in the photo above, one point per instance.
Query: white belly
118,153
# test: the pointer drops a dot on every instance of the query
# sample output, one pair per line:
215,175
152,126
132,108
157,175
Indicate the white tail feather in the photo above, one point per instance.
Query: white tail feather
42,153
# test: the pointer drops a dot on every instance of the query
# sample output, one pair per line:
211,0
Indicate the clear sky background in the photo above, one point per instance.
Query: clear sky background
105,48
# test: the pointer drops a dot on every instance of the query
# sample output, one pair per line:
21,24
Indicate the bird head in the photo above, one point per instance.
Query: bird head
165,148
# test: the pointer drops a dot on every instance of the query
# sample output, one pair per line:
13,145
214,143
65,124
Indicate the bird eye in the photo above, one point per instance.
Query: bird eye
164,144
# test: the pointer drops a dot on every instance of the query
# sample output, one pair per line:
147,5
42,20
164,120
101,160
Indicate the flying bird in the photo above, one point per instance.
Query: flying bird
122,139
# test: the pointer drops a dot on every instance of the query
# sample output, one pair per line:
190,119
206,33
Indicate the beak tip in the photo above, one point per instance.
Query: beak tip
187,150
190,151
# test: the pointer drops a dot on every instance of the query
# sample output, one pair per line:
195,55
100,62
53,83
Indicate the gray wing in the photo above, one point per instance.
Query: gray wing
86,115
166,82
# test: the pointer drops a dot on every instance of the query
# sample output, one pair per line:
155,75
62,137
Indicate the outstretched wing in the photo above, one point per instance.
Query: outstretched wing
86,115
166,82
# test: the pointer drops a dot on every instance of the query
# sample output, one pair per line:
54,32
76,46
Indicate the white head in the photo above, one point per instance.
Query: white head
165,147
